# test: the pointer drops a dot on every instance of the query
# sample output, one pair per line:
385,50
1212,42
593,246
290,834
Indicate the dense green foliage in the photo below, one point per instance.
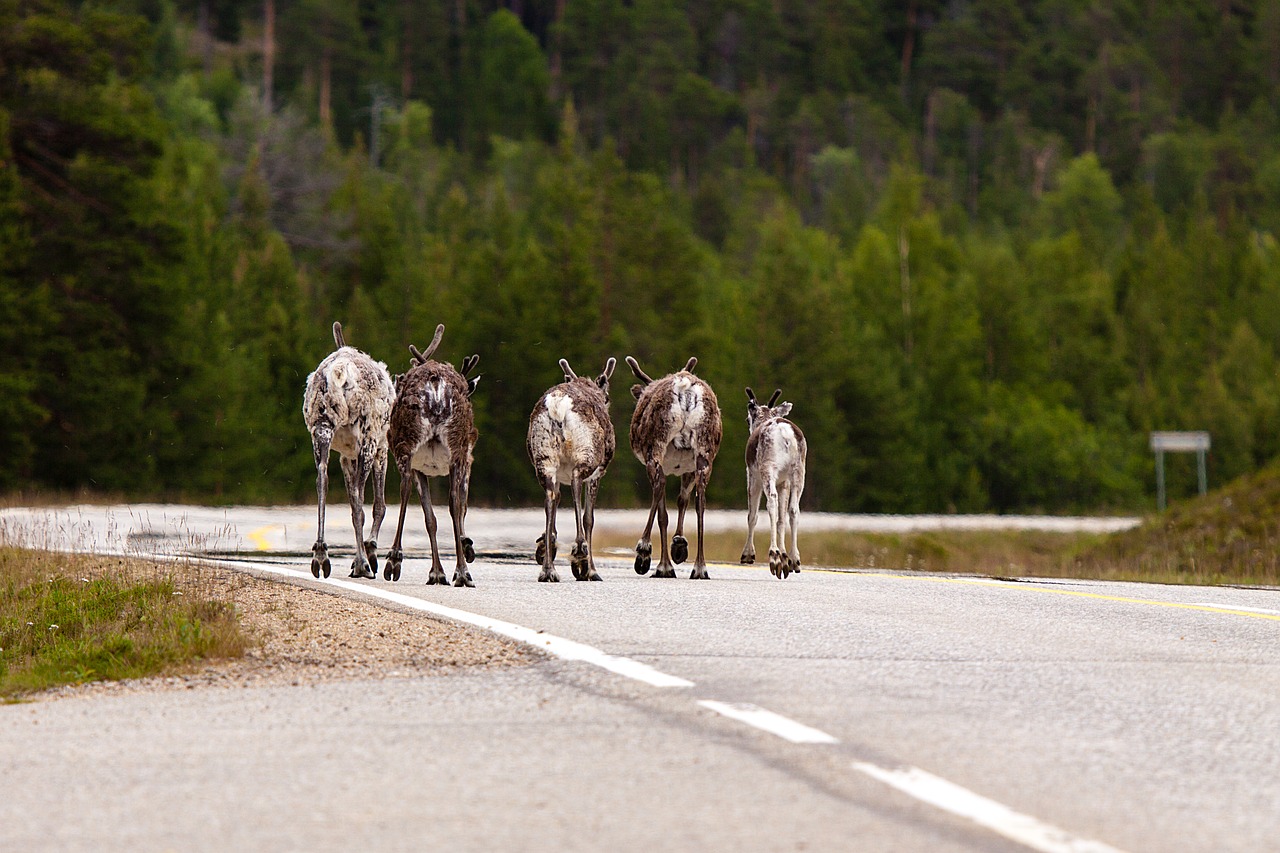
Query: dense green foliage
984,247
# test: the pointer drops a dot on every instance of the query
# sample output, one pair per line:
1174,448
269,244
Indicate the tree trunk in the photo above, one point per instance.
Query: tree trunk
557,49
406,64
268,53
909,45
206,36
326,83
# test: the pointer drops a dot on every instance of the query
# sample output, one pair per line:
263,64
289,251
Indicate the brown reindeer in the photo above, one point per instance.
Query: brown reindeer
776,452
347,407
571,442
675,431
433,434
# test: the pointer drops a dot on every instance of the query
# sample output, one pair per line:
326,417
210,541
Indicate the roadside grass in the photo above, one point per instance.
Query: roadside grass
70,619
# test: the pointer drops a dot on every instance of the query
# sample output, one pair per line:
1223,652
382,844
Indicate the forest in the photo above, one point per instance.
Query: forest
984,246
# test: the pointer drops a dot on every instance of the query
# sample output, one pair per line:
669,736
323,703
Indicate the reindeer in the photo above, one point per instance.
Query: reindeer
776,452
347,407
675,431
433,434
571,443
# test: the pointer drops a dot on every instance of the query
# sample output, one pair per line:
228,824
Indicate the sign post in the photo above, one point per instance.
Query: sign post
1179,442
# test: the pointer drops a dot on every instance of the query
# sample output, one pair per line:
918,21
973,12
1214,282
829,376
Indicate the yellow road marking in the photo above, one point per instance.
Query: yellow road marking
259,536
1029,586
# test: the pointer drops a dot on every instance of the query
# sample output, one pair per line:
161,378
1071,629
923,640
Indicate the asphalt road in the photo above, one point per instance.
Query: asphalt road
910,712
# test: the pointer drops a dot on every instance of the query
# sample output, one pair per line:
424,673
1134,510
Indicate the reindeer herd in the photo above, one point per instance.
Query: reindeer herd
424,419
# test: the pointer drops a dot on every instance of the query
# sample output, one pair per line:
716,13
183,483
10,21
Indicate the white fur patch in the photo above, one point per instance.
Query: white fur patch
431,458
559,407
687,412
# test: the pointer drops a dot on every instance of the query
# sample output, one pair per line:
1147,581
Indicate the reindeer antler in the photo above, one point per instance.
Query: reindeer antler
337,335
635,368
691,364
774,398
751,395
469,363
421,357
568,371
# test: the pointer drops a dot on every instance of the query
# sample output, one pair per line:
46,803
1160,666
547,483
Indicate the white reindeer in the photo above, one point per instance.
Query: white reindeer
776,453
675,429
347,407
433,433
571,443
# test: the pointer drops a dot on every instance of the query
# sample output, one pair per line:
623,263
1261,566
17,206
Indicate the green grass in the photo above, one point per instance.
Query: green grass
70,619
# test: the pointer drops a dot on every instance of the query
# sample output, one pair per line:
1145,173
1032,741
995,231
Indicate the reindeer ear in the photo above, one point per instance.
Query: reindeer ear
471,385
782,410
636,391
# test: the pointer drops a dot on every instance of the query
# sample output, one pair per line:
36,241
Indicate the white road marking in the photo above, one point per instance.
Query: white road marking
1233,607
557,646
768,721
998,818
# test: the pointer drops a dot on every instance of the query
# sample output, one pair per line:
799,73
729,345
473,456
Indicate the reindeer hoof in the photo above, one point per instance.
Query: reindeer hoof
548,576
437,576
679,549
362,570
315,568
593,575
468,549
699,573
371,554
391,571
667,571
579,562
540,552
777,560
461,577
644,553
747,559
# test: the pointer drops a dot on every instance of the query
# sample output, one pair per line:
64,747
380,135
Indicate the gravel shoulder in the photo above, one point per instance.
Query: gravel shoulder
305,636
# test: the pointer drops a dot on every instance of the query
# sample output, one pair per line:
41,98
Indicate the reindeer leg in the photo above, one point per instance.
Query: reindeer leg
578,558
793,508
700,496
395,558
589,524
644,548
353,472
379,509
457,502
547,556
776,554
320,441
680,545
754,488
468,547
436,575
659,482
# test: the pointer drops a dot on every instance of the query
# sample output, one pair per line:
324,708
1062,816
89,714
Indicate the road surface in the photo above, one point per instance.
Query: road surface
829,711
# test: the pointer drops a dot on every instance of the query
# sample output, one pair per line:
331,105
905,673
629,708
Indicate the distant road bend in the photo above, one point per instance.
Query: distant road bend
833,710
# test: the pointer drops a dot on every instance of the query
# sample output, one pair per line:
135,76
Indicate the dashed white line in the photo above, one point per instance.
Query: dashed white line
765,720
557,646
994,816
